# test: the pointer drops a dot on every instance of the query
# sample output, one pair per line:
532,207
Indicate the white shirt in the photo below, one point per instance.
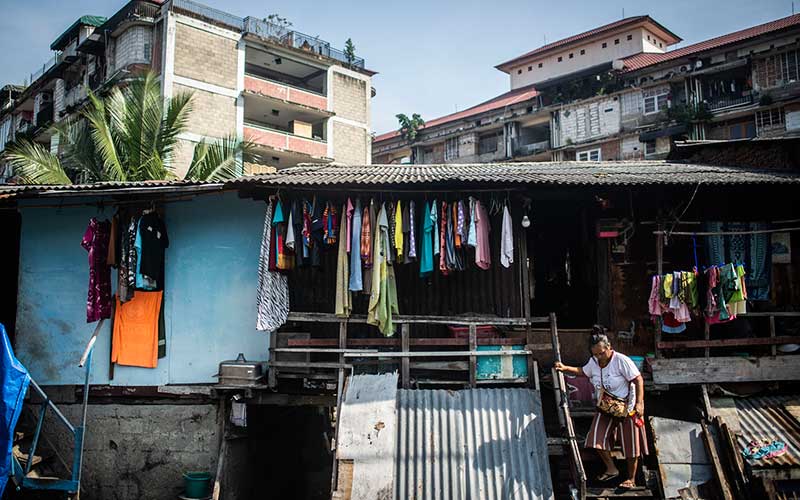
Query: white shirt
506,240
617,374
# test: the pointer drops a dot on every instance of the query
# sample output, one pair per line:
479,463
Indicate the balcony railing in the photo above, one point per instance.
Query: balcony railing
43,69
209,14
297,40
531,148
724,102
284,141
279,90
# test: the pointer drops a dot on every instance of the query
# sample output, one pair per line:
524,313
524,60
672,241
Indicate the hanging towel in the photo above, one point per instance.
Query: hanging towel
507,240
272,299
472,237
135,336
412,237
383,299
355,249
15,385
426,252
343,305
398,231
483,256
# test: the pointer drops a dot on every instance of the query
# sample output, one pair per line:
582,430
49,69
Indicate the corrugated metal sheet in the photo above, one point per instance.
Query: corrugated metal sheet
767,418
682,457
645,59
621,173
479,443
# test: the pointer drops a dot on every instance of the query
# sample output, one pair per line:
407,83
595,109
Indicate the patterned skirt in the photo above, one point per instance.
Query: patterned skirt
606,431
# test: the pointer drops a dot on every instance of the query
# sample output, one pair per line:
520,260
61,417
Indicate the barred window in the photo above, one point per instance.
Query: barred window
451,149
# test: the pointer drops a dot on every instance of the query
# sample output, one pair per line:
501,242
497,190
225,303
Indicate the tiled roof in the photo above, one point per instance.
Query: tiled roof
586,34
14,190
621,173
643,60
509,98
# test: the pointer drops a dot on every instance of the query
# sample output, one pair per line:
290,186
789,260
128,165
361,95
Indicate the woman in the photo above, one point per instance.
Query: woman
616,373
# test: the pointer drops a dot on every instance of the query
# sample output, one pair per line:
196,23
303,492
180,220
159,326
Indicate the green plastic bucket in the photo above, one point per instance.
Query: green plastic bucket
197,484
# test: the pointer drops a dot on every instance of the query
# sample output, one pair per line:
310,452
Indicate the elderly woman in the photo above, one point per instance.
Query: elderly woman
614,376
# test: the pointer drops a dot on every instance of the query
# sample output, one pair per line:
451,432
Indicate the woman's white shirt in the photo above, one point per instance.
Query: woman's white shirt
617,375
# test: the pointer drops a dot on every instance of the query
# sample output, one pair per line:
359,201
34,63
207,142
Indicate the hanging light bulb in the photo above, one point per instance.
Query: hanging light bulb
526,222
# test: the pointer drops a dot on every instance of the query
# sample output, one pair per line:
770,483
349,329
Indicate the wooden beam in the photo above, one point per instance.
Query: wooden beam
405,368
432,354
774,348
660,271
399,319
473,360
713,455
724,369
450,341
281,399
688,344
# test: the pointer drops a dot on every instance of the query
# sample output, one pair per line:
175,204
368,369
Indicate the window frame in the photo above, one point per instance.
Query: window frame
588,154
654,146
451,148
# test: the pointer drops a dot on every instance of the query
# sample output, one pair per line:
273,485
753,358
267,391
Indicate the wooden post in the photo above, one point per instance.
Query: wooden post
533,376
774,348
707,335
713,455
473,360
660,271
342,347
272,374
405,346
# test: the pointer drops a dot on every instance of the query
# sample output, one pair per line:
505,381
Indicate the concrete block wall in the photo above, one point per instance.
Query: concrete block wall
205,56
589,121
351,144
212,115
134,45
350,97
139,452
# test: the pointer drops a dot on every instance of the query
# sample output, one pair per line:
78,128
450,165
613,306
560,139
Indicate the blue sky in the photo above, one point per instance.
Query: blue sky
433,57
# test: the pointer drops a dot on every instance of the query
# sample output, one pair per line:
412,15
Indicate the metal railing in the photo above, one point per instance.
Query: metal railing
39,72
210,14
529,149
729,102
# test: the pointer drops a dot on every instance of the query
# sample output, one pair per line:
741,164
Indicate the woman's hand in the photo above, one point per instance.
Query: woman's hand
559,366
640,408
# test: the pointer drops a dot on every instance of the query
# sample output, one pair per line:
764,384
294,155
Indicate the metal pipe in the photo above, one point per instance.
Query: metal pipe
53,406
430,354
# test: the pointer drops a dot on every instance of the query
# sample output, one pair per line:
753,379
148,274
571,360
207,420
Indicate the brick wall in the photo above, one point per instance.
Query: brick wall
212,115
139,452
206,57
350,144
349,97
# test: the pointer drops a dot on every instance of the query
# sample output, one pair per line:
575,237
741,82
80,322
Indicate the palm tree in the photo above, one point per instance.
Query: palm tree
129,135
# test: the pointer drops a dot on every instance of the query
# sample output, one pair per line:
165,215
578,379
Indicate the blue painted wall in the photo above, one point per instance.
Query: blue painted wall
210,295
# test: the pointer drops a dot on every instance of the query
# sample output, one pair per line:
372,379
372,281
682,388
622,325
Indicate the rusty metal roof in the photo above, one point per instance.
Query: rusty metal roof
621,173
476,443
768,418
113,187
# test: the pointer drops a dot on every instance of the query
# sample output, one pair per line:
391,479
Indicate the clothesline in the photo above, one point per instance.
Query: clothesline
725,233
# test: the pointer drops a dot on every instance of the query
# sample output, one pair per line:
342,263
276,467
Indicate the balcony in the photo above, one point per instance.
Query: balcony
731,101
530,149
39,72
284,92
278,140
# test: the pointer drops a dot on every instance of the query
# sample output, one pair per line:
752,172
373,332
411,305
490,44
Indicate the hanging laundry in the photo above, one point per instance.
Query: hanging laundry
366,274
124,291
151,243
112,259
460,227
412,226
443,268
426,250
383,299
453,259
343,300
348,218
283,261
95,241
398,231
483,256
472,236
507,240
435,218
272,299
330,224
318,227
754,251
135,334
354,228
390,216
296,221
133,254
289,241
366,238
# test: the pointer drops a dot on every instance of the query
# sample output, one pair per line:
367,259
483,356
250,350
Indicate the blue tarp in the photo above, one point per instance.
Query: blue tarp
15,380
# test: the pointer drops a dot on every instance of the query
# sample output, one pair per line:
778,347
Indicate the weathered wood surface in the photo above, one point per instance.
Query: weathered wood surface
724,369
687,344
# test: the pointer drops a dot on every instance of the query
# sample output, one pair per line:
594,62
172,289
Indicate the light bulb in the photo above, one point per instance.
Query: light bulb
526,222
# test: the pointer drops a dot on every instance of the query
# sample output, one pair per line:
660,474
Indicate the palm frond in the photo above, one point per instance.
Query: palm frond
104,121
34,164
176,120
220,160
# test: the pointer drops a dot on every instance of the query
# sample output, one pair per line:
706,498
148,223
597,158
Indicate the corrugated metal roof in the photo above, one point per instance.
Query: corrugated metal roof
587,34
12,190
644,59
506,99
477,443
767,418
87,20
555,173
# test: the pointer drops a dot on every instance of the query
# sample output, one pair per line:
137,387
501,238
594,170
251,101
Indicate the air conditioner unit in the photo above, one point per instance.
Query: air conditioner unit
698,64
46,97
685,68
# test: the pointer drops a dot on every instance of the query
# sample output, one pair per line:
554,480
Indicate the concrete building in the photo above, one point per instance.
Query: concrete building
294,96
617,92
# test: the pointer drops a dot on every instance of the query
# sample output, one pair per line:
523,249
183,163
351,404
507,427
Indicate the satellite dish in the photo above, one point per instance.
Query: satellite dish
617,64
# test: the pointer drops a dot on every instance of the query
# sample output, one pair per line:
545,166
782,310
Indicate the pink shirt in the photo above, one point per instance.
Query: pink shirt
483,256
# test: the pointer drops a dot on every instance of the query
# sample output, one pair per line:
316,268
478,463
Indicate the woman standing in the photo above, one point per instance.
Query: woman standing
618,383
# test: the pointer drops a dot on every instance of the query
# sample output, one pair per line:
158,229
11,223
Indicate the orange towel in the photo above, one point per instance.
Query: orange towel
135,338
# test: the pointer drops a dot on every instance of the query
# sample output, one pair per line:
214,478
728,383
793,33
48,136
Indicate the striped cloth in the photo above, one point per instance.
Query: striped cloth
605,431
272,299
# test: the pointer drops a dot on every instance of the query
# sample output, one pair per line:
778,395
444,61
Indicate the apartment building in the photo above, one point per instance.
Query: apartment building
297,98
618,92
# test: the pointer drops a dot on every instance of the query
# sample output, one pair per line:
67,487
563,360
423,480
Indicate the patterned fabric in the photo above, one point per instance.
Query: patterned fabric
751,250
412,237
272,299
133,256
605,431
95,241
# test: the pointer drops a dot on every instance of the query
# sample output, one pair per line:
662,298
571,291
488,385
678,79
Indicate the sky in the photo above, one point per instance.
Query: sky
432,57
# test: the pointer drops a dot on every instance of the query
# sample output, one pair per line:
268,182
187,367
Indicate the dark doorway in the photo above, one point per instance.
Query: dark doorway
10,223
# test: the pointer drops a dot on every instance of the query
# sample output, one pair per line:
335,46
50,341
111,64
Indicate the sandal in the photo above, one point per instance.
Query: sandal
627,485
606,476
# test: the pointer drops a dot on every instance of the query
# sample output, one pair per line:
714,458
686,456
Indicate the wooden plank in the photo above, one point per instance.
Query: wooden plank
707,338
272,373
473,360
405,369
774,348
266,398
449,341
735,464
688,344
660,271
716,465
724,369
432,354
399,319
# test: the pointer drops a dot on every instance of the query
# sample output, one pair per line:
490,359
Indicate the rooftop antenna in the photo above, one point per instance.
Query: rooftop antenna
792,8
623,13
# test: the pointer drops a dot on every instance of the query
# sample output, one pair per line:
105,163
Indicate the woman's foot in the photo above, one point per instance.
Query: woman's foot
628,484
608,475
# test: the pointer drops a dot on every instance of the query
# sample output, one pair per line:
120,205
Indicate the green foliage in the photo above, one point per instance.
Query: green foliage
765,100
689,113
350,51
129,135
409,127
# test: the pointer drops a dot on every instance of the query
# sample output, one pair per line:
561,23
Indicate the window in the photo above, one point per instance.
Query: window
487,143
650,148
560,58
540,65
530,68
519,71
605,45
451,149
770,118
590,155
648,38
571,55
656,100
777,70
583,52
660,46
630,37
